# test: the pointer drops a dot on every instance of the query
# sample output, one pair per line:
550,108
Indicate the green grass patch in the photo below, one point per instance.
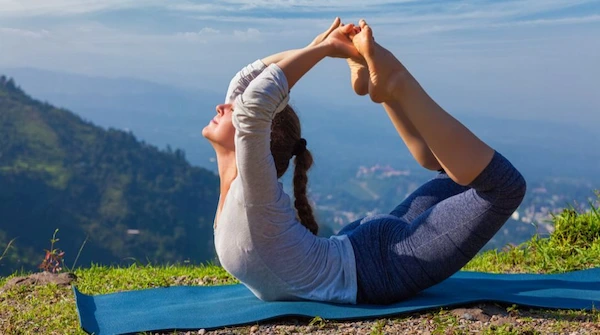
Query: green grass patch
50,309
574,245
101,279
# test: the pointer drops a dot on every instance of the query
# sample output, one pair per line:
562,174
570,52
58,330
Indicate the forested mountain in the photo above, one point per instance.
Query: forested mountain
134,201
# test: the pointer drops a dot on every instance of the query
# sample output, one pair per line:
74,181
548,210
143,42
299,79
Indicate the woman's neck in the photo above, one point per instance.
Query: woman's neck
227,173
227,169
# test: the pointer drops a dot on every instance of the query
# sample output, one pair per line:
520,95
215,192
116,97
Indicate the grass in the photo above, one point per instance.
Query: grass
50,309
574,245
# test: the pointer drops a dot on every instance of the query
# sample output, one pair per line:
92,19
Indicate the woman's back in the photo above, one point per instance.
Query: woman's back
278,258
258,237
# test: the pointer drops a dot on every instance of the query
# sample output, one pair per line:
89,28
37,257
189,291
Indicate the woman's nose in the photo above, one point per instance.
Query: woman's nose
219,109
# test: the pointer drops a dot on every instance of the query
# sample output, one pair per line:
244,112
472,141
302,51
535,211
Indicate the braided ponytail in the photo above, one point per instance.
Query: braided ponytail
286,142
303,162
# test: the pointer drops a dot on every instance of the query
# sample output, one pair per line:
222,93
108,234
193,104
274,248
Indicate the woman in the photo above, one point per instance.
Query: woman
273,249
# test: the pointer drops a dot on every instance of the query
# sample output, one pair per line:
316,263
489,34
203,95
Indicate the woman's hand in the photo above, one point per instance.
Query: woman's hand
340,44
338,38
322,36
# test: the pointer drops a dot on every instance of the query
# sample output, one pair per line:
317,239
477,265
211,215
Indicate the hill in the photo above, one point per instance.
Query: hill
157,114
134,201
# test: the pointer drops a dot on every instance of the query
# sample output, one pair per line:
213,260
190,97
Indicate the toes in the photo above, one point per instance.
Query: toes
364,26
368,31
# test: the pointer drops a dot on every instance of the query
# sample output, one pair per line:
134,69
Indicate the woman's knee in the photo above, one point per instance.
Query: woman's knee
515,188
509,196
500,181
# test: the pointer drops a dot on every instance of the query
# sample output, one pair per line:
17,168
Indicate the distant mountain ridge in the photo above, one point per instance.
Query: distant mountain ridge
158,114
134,201
342,133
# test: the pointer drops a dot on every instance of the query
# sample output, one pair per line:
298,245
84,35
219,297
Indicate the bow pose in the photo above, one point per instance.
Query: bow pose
270,244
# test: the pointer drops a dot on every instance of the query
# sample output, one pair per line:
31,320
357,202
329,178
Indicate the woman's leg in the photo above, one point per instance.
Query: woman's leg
359,73
444,238
396,259
432,192
427,195
349,227
462,155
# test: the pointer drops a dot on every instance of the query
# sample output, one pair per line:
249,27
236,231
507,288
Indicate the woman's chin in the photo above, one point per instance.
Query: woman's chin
206,133
208,136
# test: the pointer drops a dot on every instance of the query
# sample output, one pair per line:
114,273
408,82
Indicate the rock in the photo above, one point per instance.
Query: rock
471,314
254,329
491,309
501,320
180,280
202,332
41,278
468,316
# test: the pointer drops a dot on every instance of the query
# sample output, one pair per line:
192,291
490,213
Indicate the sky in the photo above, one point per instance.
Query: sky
533,59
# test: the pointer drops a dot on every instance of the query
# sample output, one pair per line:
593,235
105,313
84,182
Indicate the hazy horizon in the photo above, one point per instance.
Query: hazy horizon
25,77
340,137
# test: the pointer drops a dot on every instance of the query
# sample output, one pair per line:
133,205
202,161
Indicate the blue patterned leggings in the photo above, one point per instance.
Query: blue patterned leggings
433,233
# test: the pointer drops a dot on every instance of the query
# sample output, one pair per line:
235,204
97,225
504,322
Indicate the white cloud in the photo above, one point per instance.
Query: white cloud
200,35
409,18
251,34
28,8
271,5
560,21
411,10
479,26
25,33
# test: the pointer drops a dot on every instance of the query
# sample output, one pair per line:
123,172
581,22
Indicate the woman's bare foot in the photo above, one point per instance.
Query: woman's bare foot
359,75
385,71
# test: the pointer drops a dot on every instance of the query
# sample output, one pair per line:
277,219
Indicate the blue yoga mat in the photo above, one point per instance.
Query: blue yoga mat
195,307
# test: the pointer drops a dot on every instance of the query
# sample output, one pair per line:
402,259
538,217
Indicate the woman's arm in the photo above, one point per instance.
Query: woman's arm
252,117
242,79
256,107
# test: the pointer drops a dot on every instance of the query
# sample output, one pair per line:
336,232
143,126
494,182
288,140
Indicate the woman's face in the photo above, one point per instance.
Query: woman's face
220,131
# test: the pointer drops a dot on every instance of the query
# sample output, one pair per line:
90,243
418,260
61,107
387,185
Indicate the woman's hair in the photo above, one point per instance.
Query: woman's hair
285,136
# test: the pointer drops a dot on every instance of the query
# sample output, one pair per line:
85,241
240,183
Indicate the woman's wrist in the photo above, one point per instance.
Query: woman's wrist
326,47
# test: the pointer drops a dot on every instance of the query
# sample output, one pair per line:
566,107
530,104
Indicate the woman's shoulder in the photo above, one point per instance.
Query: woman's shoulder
269,92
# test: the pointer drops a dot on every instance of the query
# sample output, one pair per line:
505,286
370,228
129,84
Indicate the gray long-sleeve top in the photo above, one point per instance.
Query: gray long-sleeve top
258,238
